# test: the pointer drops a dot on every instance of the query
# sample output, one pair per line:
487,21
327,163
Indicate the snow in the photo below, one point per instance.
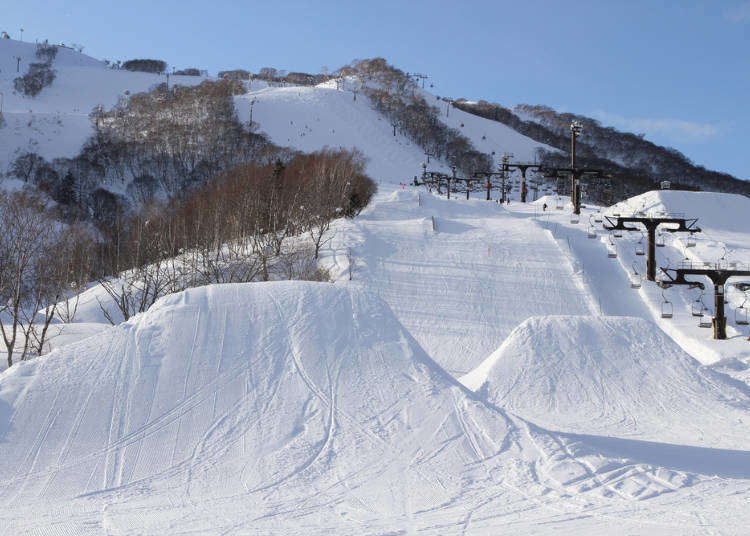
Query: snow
604,375
494,373
305,408
459,290
56,122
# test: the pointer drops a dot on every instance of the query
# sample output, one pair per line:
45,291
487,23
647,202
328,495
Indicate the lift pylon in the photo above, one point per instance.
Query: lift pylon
684,225
718,276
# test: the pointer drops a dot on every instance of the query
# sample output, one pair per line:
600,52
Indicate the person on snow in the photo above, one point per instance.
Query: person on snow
544,207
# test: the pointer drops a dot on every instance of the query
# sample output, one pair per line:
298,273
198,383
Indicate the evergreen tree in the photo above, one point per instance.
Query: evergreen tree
64,193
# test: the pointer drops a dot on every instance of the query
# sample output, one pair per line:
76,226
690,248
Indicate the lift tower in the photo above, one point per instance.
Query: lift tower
524,168
718,274
684,225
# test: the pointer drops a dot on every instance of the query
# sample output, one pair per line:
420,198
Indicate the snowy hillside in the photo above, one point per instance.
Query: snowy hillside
300,406
56,122
472,367
601,374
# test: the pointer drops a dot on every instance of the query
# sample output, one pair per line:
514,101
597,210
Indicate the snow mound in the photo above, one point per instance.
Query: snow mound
618,376
716,211
299,392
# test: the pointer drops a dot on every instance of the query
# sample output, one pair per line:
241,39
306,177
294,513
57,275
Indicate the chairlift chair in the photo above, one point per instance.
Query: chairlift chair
635,278
559,204
659,240
611,252
574,218
639,247
740,314
696,309
690,242
705,322
667,309
592,232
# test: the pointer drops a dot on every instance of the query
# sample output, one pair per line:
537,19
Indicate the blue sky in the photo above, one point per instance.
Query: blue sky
678,71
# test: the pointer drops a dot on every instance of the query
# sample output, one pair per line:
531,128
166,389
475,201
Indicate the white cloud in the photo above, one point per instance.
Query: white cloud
738,13
664,128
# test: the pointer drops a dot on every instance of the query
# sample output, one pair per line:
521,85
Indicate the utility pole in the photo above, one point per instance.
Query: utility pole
428,155
504,168
418,76
575,197
684,225
449,181
18,63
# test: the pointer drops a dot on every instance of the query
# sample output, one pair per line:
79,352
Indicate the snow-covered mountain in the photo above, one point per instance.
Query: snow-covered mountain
472,368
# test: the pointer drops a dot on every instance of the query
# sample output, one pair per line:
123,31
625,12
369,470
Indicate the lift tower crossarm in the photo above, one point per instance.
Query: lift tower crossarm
575,175
523,168
685,225
718,276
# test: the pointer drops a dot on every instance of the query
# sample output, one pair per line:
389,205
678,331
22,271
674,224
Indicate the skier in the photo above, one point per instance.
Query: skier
544,207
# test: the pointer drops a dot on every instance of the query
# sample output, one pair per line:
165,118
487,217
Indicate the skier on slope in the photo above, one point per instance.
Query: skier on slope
544,207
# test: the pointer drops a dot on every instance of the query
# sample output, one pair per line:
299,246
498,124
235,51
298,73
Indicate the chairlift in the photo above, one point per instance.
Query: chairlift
696,309
592,232
635,278
574,218
667,309
740,314
559,204
705,322
690,241
660,240
611,253
639,247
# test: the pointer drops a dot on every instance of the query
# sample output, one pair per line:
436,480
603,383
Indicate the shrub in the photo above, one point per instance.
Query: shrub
46,52
190,71
145,66
40,75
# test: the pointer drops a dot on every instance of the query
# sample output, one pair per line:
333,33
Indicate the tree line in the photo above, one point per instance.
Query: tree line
638,164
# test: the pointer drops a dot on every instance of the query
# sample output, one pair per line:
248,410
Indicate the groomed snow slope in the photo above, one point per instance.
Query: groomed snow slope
459,289
304,408
617,376
56,122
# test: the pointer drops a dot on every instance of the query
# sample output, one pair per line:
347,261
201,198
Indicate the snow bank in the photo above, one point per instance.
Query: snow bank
617,376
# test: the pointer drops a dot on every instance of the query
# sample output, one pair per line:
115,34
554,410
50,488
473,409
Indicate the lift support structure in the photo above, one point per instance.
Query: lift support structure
684,225
487,175
718,274
523,168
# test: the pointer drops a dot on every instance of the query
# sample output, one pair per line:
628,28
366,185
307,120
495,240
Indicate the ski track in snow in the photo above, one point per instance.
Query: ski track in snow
299,408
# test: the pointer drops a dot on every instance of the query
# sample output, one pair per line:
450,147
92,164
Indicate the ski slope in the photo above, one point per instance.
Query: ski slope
56,122
459,289
618,375
487,369
305,408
